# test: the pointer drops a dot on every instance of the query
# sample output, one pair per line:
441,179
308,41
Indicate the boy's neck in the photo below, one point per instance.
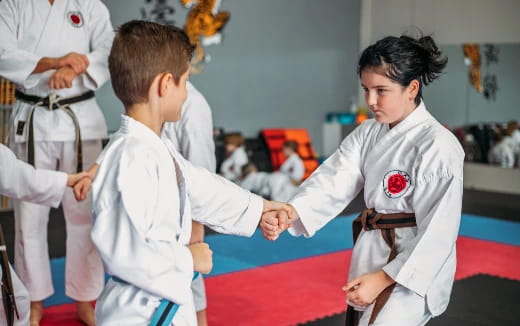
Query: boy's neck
143,113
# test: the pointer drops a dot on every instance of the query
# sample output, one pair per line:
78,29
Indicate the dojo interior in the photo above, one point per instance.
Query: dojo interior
286,70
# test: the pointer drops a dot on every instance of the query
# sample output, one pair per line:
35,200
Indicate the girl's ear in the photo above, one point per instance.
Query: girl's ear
413,89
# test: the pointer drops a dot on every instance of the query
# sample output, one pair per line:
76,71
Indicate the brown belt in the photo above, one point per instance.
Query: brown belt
8,297
387,223
53,103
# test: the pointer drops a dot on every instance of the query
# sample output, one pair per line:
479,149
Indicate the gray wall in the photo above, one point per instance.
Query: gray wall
283,63
454,102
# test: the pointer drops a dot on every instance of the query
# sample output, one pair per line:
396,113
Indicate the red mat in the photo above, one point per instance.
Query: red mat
60,315
307,289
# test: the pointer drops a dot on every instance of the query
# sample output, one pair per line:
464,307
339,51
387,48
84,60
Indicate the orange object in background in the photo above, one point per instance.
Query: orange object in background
472,52
275,138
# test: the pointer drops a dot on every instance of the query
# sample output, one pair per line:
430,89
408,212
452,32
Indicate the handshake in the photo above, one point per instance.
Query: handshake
276,218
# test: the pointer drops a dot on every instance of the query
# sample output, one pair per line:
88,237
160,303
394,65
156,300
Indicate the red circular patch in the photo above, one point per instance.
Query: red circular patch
396,183
75,19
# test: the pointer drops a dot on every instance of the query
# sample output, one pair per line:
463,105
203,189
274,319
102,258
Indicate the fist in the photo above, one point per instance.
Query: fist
62,78
202,257
76,61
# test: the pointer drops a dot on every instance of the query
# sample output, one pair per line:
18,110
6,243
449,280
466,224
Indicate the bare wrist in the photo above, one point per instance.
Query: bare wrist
386,278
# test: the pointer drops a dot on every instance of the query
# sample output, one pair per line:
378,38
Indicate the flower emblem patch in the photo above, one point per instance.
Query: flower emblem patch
396,183
75,18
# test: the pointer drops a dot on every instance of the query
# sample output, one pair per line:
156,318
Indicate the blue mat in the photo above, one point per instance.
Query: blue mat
234,254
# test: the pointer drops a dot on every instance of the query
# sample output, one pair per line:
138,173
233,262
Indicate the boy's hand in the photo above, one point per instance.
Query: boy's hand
76,61
73,178
202,257
81,188
62,78
363,291
273,223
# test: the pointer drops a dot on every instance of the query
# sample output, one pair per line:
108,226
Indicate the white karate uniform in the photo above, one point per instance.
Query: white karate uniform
502,153
293,167
414,167
516,146
20,180
276,185
30,30
144,198
231,167
192,136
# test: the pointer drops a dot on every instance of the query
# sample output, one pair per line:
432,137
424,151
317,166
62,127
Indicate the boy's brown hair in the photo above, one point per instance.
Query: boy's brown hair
292,145
234,138
142,50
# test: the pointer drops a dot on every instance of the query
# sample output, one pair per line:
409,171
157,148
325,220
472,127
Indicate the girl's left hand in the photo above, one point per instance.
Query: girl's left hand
363,291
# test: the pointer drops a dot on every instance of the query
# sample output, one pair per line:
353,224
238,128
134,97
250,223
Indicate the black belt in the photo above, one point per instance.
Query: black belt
387,223
53,102
8,297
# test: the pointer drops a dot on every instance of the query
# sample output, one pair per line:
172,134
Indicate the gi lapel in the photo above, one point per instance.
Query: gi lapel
51,31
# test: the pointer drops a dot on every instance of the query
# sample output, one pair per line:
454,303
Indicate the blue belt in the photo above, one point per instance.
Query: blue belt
165,312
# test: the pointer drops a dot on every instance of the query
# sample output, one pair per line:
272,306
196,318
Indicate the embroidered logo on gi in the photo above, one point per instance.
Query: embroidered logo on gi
75,18
396,183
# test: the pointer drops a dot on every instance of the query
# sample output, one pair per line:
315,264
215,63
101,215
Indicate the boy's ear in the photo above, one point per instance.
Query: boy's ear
164,83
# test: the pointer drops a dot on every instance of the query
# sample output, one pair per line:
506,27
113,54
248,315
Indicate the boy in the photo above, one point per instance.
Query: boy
145,193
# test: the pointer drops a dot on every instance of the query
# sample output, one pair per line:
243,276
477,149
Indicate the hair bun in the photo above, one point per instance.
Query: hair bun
434,63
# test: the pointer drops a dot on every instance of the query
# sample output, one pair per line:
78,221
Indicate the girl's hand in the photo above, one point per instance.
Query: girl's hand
363,291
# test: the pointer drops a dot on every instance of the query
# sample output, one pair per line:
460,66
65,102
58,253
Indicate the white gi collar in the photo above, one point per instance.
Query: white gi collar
418,115
135,128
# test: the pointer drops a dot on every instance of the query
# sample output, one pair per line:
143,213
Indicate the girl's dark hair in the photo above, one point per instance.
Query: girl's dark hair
403,59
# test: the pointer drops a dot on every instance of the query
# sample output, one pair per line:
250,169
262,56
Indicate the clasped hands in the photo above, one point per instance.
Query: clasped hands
67,68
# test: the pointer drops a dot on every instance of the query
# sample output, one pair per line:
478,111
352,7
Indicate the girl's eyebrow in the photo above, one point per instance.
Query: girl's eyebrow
377,86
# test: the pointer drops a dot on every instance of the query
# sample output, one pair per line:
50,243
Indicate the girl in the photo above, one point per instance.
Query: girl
410,167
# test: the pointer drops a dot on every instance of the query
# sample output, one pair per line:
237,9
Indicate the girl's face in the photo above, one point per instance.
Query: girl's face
390,102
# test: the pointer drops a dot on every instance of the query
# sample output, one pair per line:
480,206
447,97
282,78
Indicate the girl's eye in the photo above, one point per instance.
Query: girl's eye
381,90
365,89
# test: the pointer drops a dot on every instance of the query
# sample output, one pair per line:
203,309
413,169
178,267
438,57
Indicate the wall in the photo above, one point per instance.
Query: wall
453,101
281,64
450,21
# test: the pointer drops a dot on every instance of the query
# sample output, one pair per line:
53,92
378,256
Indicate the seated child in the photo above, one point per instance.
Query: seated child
501,153
236,155
276,186
146,194
293,165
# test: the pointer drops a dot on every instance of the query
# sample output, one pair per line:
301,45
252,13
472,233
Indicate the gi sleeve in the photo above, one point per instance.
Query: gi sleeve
437,201
101,36
16,64
196,140
152,261
22,181
219,203
330,188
